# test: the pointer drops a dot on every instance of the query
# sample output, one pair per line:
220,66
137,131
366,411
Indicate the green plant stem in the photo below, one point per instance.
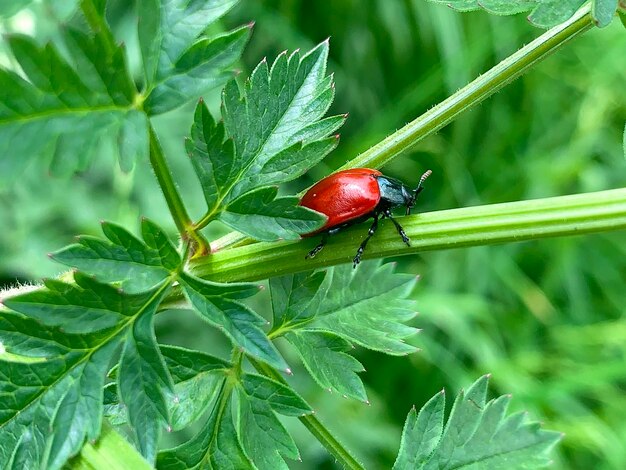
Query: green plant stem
321,433
111,451
466,98
172,196
475,92
472,226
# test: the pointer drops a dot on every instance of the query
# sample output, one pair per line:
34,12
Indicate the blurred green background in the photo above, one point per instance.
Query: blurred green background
546,318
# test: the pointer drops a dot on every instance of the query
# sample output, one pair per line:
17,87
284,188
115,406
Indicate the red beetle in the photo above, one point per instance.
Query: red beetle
352,196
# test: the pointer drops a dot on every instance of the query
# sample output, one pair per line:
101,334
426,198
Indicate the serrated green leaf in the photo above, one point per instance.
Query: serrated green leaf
261,215
366,306
545,13
143,381
218,305
65,109
205,65
321,314
272,132
292,296
603,11
180,62
325,357
60,349
263,436
552,12
421,433
281,398
197,377
215,447
478,435
137,265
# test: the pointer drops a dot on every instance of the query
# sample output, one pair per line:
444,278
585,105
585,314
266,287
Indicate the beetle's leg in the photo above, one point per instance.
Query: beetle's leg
405,239
318,248
370,232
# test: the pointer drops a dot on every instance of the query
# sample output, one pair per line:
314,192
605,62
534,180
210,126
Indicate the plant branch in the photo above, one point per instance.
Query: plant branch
475,92
472,226
172,196
323,435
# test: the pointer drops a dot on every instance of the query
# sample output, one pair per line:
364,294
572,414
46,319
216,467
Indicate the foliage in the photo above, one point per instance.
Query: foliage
78,349
478,434
543,13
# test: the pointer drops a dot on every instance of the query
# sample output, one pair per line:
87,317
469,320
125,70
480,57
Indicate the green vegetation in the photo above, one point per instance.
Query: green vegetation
185,345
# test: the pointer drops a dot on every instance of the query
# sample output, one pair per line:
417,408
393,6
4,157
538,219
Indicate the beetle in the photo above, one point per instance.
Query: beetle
352,196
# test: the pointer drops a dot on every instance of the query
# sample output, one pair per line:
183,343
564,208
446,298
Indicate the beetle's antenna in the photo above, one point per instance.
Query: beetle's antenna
420,187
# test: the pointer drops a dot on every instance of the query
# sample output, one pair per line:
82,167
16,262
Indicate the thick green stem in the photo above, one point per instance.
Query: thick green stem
475,92
472,226
321,433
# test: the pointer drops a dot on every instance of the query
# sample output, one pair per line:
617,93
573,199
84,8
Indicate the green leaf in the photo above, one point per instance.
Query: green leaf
366,306
545,13
603,11
263,436
553,12
421,433
292,296
66,109
478,434
272,134
321,314
180,61
137,265
197,377
202,67
216,446
325,357
280,398
143,380
60,349
260,214
217,303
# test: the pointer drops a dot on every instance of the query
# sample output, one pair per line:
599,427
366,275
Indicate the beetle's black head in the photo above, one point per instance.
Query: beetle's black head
411,197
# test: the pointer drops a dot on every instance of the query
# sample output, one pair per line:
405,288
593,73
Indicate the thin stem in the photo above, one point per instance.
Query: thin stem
314,425
475,92
472,226
172,196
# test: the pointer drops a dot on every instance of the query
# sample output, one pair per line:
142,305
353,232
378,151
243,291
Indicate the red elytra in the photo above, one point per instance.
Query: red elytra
344,196
351,196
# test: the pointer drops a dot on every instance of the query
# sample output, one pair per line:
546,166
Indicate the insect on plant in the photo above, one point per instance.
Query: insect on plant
352,196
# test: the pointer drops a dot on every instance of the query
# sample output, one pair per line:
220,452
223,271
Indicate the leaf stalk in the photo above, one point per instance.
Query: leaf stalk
172,197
